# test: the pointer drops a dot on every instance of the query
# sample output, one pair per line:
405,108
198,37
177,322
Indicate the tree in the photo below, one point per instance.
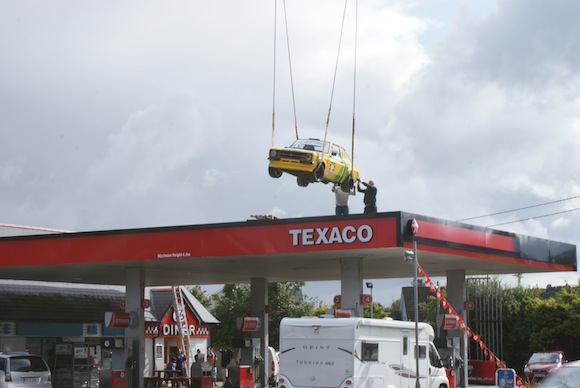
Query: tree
516,330
230,304
201,296
555,322
288,301
379,312
234,301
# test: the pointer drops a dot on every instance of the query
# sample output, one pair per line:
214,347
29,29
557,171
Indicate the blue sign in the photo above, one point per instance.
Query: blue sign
505,378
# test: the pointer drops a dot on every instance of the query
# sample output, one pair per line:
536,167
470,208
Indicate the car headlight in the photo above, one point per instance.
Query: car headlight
273,153
308,157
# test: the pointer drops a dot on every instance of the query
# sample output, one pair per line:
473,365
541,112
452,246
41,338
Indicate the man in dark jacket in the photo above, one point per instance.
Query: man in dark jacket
370,198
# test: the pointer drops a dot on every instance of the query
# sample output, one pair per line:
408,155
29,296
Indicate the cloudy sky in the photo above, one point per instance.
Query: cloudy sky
123,114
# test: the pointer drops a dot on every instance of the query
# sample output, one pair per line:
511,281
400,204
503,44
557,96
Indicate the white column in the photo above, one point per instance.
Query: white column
134,335
259,300
351,285
456,295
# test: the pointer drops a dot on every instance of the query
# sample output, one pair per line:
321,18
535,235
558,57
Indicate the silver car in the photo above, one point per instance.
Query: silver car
24,370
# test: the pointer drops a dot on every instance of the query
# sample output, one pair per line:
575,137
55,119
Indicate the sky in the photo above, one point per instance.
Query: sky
129,114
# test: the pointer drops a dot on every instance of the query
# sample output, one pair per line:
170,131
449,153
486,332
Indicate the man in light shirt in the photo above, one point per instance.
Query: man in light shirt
341,200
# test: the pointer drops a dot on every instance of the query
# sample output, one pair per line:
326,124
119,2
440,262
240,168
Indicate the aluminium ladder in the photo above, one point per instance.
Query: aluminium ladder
182,327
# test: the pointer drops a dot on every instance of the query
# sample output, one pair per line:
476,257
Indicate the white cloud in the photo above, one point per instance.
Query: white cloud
137,114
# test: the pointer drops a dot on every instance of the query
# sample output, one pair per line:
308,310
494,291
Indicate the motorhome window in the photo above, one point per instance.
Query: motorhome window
370,351
405,345
422,351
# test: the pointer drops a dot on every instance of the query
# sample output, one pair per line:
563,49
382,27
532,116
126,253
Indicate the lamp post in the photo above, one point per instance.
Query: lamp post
415,265
370,285
412,256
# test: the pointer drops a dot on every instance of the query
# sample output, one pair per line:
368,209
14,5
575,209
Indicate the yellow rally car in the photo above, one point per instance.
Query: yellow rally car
313,160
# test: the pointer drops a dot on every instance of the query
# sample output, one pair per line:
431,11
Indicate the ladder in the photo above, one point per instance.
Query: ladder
182,327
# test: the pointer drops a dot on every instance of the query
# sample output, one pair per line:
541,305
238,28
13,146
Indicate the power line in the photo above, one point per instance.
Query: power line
523,208
533,218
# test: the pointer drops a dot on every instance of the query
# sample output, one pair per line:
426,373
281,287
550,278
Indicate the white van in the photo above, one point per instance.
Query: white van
357,352
272,366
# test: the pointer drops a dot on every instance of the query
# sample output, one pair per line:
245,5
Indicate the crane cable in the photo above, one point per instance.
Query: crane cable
354,82
290,68
334,77
335,70
274,74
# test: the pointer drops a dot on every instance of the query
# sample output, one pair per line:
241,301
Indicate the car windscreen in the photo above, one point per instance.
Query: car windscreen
544,357
27,364
310,144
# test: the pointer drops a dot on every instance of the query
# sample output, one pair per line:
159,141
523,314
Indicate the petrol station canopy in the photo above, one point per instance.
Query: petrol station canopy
296,249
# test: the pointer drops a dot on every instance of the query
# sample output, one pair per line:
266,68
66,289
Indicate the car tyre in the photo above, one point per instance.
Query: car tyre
348,184
274,172
302,182
319,172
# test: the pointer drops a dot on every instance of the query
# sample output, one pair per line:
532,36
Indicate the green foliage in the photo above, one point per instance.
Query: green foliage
554,322
428,310
201,296
379,311
516,331
234,302
288,301
534,319
229,305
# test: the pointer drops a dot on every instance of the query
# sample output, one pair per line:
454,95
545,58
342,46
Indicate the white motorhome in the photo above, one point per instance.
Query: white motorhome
357,353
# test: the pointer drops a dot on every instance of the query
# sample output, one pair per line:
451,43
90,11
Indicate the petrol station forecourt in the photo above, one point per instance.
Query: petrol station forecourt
349,249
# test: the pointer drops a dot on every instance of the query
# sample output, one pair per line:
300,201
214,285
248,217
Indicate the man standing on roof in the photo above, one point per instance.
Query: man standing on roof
341,200
370,199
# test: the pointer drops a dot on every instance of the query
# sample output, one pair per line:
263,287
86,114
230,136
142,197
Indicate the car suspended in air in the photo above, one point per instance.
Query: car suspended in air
314,160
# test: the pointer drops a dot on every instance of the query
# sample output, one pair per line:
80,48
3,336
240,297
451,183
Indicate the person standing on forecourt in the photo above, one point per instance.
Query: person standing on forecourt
226,355
370,199
179,363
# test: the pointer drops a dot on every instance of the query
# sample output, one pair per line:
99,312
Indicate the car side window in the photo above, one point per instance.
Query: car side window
336,151
345,155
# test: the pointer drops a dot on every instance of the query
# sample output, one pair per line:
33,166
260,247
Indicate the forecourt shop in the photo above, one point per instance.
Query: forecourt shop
349,249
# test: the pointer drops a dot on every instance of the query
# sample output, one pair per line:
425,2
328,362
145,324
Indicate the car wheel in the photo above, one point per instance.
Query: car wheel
319,172
274,172
348,184
302,182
